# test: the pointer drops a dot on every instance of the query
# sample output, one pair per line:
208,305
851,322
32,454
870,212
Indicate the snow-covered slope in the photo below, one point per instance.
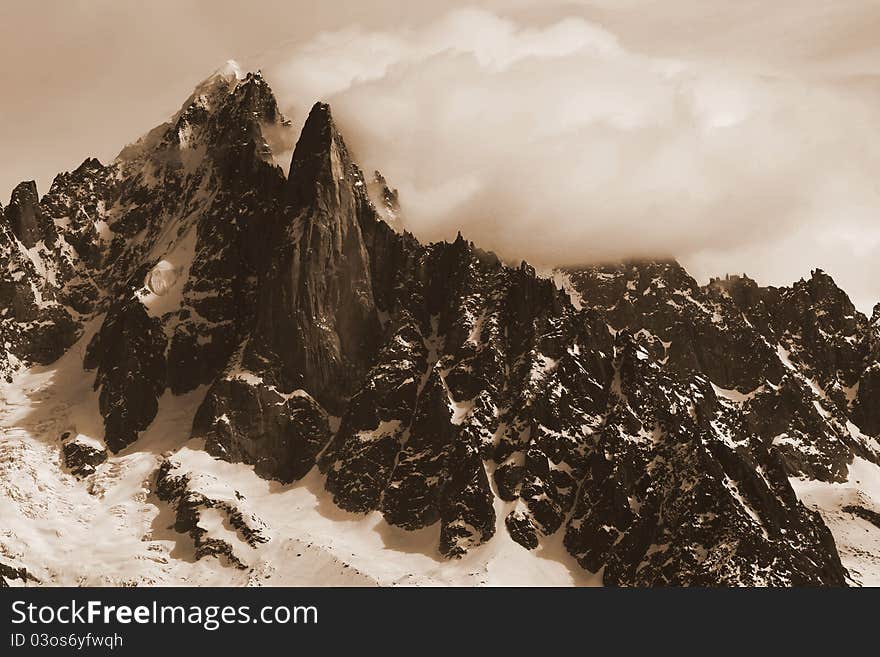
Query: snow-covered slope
851,509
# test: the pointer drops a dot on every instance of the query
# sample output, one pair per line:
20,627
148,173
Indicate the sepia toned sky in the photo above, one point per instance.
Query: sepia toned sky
736,135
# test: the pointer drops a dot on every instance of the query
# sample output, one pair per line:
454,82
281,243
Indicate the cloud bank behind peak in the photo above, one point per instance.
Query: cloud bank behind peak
553,141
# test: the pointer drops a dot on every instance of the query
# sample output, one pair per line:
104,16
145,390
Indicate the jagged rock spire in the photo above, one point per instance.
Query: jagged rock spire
317,311
386,200
320,161
25,216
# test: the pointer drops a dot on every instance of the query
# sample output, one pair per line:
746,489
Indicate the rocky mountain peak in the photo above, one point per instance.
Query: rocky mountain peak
223,80
743,290
318,283
223,121
823,290
318,131
253,94
25,216
386,200
90,164
231,71
321,166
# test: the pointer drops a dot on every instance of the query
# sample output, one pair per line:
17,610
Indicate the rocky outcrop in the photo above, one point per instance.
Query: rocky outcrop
81,455
698,328
360,461
190,212
8,573
245,420
26,218
440,477
129,356
179,488
386,201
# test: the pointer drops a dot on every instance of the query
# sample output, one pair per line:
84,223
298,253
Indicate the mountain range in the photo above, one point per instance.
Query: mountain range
217,371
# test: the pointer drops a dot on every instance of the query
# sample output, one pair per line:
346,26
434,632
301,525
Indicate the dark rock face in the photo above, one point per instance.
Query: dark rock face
27,220
129,355
866,407
653,421
796,354
866,411
280,435
439,476
80,456
412,496
867,514
675,495
807,441
703,331
190,275
316,310
8,573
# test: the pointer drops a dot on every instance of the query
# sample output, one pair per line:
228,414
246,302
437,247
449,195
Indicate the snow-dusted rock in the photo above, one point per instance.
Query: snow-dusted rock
82,454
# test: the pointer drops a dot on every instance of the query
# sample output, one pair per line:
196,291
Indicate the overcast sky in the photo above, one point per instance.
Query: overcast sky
737,135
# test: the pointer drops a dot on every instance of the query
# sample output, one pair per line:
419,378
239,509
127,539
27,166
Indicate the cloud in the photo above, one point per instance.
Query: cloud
557,144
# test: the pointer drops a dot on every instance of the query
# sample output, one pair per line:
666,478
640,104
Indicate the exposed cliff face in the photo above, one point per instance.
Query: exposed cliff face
37,321
653,422
866,407
677,479
243,419
27,220
316,311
